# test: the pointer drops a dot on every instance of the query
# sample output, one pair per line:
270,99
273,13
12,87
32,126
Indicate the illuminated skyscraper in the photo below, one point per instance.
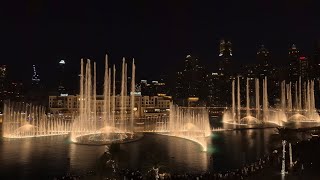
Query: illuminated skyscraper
61,76
263,57
215,90
3,83
3,71
303,67
314,64
225,66
35,76
35,93
225,71
294,63
190,83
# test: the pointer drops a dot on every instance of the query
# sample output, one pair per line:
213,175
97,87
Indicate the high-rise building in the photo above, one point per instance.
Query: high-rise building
35,80
179,93
155,88
15,91
3,71
298,65
3,84
225,71
315,70
317,59
215,90
61,76
190,83
263,57
294,55
314,64
303,67
36,93
225,65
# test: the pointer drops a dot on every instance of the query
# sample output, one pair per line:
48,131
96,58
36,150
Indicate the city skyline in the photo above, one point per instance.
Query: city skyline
160,90
155,33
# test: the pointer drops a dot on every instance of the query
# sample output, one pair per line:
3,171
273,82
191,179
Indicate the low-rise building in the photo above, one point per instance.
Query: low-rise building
144,105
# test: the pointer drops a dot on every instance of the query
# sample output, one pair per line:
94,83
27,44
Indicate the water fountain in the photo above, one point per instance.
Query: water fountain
305,97
190,123
297,104
22,120
114,123
235,117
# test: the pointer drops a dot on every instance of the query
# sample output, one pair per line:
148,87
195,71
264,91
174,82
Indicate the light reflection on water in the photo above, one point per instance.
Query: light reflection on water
55,156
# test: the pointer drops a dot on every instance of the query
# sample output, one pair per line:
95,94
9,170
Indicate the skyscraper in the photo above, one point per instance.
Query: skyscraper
315,70
225,71
215,90
36,93
61,76
190,82
264,67
179,93
314,64
294,55
303,67
3,83
225,65
35,80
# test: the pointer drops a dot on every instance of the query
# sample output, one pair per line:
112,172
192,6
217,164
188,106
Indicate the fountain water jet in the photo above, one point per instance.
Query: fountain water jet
93,127
296,106
190,123
23,120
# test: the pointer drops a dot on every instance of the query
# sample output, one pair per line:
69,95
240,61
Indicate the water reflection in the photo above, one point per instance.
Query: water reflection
187,155
83,158
54,156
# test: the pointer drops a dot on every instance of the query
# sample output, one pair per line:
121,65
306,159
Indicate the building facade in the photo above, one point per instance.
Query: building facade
190,83
225,65
145,106
264,66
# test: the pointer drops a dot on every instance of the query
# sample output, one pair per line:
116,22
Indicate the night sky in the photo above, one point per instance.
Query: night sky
158,34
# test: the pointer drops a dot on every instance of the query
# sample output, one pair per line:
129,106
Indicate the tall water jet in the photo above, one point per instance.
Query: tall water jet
233,100
257,98
190,123
265,100
300,96
94,96
132,94
22,120
122,96
109,126
283,95
106,94
289,97
296,99
305,95
248,98
114,96
238,100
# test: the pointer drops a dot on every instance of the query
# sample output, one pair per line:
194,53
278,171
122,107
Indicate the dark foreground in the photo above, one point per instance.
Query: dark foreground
306,159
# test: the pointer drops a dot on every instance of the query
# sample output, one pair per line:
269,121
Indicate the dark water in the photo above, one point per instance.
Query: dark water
47,157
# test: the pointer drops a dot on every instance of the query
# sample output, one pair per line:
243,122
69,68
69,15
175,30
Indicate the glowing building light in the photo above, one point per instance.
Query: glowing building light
302,58
62,62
